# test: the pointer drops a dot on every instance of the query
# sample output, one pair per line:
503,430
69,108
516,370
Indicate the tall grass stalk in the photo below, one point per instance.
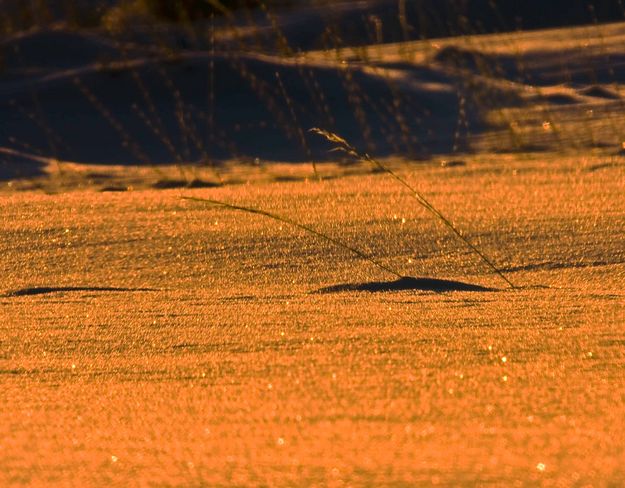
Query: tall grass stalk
346,147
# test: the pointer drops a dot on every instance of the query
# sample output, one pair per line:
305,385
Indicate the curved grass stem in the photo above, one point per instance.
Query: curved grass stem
306,228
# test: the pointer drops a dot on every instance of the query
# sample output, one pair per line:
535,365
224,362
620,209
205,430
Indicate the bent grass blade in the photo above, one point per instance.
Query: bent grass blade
293,223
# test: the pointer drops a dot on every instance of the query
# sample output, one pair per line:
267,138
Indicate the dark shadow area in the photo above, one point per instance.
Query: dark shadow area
551,265
319,24
599,91
601,166
87,96
176,183
155,111
365,22
354,20
407,283
12,168
113,189
44,290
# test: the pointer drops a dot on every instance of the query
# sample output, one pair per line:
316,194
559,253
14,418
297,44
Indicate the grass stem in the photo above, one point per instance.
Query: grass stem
346,147
285,220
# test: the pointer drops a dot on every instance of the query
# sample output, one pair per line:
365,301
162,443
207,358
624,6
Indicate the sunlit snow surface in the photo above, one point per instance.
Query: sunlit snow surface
153,341
215,362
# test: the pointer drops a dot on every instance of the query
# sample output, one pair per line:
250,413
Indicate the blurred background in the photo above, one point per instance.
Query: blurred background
203,82
420,18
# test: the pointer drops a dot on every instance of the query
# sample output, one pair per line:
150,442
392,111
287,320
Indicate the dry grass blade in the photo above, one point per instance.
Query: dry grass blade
349,149
332,137
288,221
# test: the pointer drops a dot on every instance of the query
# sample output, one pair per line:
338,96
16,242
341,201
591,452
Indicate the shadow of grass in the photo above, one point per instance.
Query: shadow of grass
44,290
407,283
